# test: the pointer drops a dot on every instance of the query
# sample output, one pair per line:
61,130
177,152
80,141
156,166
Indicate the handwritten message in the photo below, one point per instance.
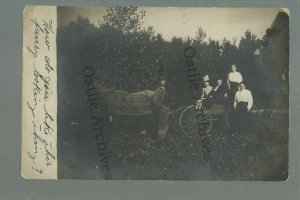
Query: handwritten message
39,146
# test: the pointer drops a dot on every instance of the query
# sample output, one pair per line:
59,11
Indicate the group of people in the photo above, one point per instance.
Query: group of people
232,94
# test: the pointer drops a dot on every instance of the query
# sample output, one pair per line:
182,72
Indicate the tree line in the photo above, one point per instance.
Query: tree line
132,57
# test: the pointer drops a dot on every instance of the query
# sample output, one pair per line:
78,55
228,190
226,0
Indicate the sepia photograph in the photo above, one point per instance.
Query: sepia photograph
170,93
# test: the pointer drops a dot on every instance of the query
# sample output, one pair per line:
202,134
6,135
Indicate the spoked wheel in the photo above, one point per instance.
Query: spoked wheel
175,117
195,121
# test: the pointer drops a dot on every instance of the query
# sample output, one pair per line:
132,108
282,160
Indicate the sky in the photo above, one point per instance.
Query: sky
218,23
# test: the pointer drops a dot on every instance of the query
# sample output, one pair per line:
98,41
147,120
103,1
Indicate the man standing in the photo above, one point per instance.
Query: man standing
159,109
243,103
234,78
218,92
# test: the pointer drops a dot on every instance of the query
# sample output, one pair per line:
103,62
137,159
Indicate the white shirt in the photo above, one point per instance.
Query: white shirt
243,96
207,90
235,77
216,88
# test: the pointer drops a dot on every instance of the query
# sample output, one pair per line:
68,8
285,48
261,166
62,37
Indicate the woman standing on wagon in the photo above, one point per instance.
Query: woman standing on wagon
234,78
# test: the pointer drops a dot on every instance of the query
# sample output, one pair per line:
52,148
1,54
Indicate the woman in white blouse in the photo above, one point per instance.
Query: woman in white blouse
243,103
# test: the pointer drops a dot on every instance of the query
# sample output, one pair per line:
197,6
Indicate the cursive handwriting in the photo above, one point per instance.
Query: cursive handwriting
32,157
46,81
48,29
37,31
48,66
36,91
48,130
41,153
40,144
38,170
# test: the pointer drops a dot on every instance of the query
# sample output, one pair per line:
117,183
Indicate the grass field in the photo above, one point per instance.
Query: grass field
134,152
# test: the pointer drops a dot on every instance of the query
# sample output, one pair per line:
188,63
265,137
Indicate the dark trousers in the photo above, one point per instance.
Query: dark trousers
207,102
161,115
231,93
242,117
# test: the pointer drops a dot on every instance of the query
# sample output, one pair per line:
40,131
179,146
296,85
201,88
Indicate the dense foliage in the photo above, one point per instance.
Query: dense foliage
130,57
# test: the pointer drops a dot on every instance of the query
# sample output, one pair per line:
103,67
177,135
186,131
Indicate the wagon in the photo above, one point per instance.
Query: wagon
186,118
190,123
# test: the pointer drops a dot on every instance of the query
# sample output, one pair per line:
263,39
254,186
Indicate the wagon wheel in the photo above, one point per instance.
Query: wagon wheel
175,117
194,121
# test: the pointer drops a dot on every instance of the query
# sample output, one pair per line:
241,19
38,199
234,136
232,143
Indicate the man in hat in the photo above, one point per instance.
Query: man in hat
159,109
243,103
218,93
